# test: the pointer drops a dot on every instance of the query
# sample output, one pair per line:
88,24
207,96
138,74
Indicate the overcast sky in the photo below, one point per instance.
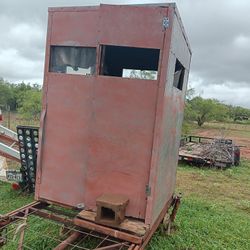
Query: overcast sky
218,30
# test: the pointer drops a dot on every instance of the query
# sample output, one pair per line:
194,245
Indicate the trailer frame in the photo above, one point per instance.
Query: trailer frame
80,229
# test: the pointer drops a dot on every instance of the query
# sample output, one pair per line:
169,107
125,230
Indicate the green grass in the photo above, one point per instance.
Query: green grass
215,210
10,199
214,214
202,224
230,187
36,228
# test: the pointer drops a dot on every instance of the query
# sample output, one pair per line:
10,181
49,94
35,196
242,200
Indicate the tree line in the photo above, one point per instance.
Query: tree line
26,100
200,110
22,98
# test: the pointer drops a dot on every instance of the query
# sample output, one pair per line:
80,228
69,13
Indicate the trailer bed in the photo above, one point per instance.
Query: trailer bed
217,152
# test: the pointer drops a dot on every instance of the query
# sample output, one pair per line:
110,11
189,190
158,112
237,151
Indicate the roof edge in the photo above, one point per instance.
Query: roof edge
94,7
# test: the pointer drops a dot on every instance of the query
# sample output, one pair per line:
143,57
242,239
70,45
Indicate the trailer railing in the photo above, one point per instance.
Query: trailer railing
9,152
8,133
202,139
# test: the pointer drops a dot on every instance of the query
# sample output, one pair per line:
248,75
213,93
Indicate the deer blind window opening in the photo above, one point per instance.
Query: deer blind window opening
73,60
129,62
179,73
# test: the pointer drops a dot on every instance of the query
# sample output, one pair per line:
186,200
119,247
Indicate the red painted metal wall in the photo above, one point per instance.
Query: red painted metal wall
107,134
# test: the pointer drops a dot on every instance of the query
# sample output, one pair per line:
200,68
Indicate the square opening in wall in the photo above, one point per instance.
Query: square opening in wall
130,62
179,73
73,60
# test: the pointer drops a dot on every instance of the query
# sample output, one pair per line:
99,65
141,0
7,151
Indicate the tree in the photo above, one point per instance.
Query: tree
30,106
20,91
6,95
221,111
239,113
143,74
200,110
203,110
11,95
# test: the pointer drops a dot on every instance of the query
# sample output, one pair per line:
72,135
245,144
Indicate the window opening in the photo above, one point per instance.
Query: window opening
73,60
130,62
178,75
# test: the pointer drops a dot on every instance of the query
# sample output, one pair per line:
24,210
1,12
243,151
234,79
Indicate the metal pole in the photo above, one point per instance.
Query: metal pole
21,240
8,108
65,244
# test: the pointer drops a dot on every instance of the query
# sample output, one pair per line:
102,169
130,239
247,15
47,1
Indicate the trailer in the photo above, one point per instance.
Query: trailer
9,144
214,152
21,147
113,97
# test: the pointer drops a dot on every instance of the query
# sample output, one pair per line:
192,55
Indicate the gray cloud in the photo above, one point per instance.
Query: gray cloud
218,31
23,33
220,36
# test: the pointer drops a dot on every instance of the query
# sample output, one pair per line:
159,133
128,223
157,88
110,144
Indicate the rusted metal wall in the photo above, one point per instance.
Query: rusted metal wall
171,112
66,111
98,132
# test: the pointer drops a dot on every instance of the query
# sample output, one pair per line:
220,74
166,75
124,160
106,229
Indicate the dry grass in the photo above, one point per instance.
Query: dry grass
16,119
228,126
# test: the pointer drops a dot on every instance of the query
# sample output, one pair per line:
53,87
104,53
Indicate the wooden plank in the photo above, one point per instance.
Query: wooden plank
107,231
133,226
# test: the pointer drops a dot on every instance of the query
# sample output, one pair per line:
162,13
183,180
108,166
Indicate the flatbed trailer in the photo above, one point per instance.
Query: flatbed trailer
215,152
76,230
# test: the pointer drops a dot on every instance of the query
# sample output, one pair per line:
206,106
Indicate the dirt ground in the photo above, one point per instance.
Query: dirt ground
239,134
